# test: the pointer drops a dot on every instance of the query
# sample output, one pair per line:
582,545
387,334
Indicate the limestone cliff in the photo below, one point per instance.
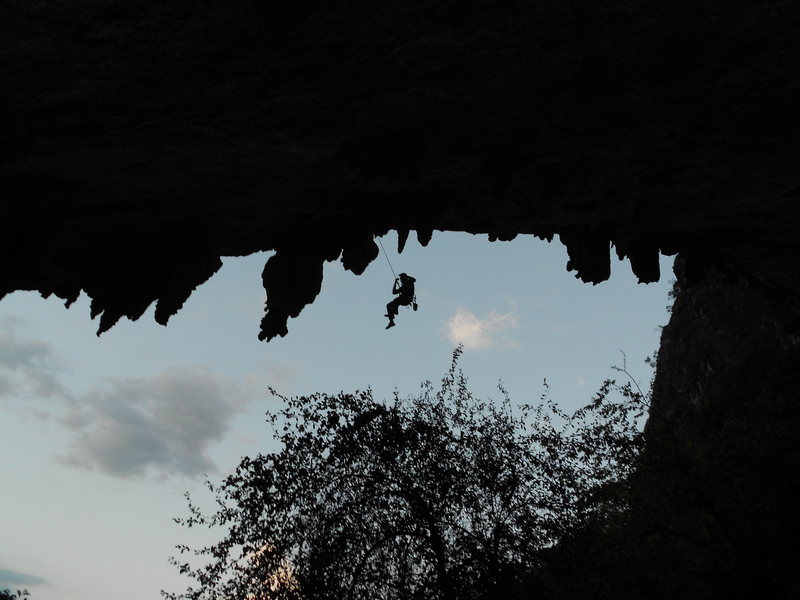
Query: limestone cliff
722,467
712,508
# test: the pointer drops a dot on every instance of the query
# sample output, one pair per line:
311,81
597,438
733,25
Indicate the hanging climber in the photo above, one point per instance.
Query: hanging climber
404,288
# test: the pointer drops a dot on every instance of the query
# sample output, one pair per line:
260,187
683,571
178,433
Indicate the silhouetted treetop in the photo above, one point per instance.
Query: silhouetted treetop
436,495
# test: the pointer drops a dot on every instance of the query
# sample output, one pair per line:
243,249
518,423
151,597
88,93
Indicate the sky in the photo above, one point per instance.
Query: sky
101,437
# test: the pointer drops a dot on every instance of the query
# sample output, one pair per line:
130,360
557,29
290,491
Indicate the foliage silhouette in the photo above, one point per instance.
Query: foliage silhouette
439,495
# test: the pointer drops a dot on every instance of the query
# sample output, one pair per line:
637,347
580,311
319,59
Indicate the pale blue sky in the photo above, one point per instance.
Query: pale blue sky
101,436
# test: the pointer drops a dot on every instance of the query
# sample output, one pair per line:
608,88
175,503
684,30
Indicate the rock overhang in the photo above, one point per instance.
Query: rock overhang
142,141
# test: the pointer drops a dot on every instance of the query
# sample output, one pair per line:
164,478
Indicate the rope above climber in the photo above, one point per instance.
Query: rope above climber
404,288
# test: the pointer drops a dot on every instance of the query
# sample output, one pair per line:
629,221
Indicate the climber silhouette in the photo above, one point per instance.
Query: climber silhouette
404,287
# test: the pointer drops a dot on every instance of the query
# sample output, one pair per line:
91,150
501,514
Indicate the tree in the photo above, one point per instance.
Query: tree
440,495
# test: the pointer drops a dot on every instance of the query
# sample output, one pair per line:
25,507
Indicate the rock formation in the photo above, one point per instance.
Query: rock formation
141,141
720,473
712,508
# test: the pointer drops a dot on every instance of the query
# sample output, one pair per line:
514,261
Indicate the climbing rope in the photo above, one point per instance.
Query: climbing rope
387,257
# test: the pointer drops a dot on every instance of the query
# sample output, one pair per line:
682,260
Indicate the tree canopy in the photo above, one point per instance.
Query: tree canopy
439,495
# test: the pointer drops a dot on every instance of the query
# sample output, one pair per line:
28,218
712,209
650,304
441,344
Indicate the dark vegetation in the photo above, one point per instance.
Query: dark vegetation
439,495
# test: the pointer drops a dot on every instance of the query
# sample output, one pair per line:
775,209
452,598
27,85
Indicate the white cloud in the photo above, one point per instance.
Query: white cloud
576,381
160,425
466,328
27,367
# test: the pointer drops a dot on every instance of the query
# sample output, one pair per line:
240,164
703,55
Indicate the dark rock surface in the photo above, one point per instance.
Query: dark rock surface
713,506
718,485
141,141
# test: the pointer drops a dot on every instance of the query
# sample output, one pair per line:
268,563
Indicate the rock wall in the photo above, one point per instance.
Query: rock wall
712,508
